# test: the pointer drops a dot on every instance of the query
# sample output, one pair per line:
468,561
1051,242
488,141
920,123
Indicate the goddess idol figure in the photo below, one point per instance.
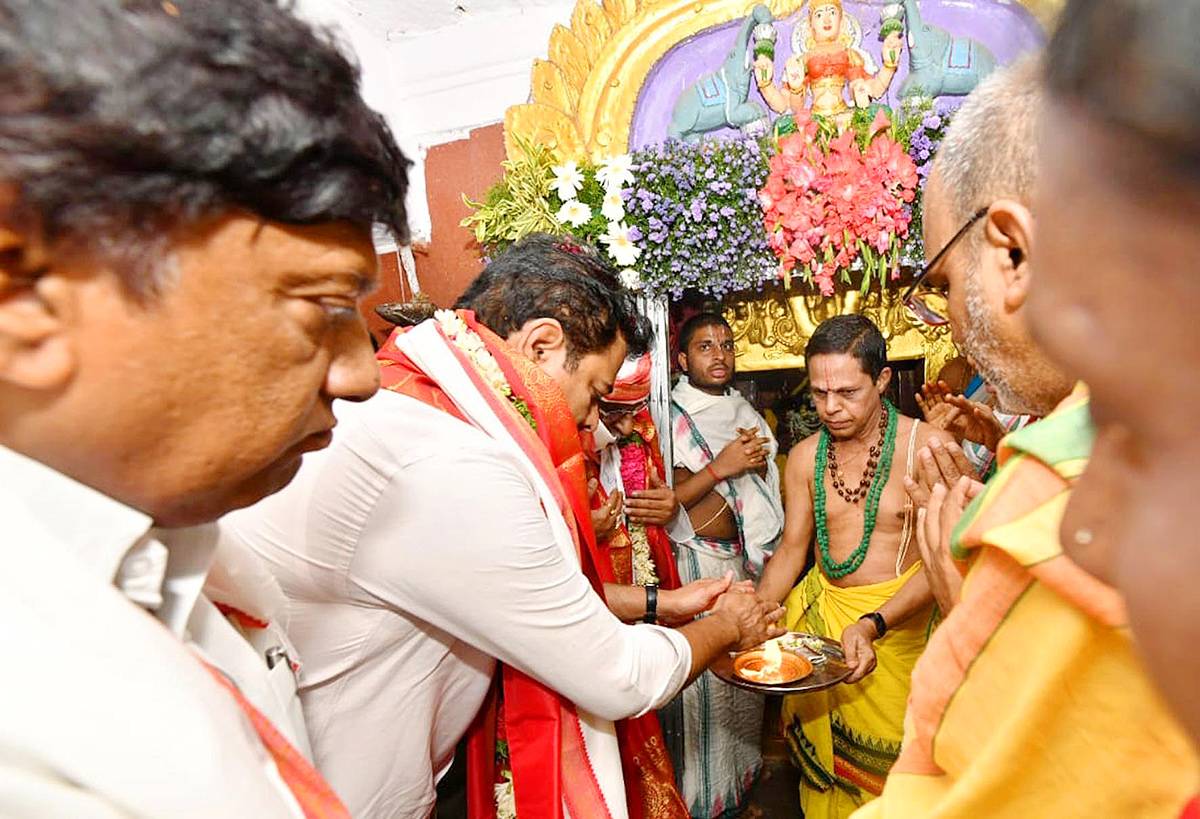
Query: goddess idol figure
827,58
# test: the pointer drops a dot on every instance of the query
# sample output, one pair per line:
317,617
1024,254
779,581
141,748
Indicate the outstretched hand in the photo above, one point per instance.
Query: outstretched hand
677,606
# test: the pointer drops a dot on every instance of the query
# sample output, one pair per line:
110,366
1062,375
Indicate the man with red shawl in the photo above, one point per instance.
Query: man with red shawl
443,573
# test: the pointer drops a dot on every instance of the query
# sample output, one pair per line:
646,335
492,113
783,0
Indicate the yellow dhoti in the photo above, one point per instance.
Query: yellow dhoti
845,739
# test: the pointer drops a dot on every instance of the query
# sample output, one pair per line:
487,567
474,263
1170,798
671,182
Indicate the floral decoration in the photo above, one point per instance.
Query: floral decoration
635,464
922,127
695,209
506,799
829,203
537,195
720,216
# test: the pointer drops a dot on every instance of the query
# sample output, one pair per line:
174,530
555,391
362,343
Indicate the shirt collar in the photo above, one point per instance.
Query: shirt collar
162,570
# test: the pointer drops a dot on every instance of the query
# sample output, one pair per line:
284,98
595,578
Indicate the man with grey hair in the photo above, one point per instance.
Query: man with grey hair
1013,710
1121,200
978,195
187,193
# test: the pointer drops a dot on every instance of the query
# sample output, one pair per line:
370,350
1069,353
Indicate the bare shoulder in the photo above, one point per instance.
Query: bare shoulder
801,457
926,432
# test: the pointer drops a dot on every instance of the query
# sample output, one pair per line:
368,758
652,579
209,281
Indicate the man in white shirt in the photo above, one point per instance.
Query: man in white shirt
447,528
186,199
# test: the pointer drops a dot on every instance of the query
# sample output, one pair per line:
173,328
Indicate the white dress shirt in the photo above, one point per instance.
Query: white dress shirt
415,553
104,711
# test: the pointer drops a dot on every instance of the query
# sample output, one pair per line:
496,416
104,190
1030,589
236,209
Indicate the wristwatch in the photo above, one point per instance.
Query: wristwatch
880,624
651,615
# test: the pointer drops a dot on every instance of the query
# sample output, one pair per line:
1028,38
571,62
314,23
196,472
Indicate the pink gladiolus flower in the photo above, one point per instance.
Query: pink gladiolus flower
824,206
880,123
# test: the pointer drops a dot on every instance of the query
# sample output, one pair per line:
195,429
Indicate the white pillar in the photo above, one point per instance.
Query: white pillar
656,309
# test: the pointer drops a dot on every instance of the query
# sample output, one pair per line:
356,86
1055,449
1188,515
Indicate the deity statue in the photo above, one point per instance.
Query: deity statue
827,57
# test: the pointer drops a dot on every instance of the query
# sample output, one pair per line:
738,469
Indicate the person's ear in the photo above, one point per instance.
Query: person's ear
540,339
35,304
885,378
1008,232
683,361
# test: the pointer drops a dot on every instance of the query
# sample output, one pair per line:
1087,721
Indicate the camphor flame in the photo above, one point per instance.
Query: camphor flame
773,658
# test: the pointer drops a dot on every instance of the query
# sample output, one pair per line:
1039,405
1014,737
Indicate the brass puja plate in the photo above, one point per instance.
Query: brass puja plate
823,655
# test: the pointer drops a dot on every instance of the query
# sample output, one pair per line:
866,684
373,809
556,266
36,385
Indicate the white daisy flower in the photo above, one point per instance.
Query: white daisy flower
614,172
620,246
568,180
574,213
630,279
613,207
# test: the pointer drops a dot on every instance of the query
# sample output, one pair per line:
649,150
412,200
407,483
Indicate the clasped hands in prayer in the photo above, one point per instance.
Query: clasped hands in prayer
945,483
745,453
755,619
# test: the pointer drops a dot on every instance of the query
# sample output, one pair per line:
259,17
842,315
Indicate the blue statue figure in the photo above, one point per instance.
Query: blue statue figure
940,62
720,99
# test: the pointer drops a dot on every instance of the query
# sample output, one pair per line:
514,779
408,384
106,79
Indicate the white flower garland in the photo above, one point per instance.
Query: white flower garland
472,345
643,564
506,800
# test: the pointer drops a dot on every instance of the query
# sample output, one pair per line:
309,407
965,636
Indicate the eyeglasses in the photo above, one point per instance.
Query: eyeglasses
929,303
613,412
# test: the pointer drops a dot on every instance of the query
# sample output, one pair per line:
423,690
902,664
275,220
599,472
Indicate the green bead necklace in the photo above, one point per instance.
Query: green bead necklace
851,564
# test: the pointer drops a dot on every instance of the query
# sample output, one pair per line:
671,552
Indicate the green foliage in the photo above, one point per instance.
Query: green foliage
890,25
519,204
908,116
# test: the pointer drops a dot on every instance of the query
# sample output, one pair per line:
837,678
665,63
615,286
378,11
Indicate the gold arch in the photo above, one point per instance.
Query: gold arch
583,97
582,101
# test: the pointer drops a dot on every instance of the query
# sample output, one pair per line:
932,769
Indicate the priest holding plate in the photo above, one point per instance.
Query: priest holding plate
845,490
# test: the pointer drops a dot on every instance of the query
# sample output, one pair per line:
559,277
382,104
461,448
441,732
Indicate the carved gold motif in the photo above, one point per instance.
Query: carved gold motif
582,103
583,99
770,332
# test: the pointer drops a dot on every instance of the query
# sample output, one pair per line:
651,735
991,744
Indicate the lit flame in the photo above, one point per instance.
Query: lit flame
773,658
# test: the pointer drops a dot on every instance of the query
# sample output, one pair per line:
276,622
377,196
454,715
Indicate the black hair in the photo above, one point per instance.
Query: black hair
543,276
697,323
856,335
121,120
1134,64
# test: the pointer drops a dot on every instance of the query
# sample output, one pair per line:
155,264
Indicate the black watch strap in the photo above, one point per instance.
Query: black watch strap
880,624
651,604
